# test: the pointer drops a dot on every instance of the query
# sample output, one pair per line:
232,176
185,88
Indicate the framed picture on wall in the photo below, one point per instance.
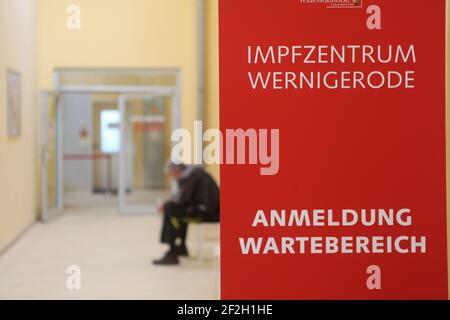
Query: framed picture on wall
13,105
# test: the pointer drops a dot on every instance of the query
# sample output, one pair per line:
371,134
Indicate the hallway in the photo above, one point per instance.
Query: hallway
83,110
114,253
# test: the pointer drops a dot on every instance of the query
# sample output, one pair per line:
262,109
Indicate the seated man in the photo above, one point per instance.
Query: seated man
196,199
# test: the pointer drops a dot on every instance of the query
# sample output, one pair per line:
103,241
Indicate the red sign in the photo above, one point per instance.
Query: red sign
355,205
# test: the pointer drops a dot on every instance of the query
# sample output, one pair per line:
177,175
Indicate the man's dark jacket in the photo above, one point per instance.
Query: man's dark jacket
198,192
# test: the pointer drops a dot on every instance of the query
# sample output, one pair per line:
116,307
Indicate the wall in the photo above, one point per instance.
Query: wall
212,69
122,33
17,155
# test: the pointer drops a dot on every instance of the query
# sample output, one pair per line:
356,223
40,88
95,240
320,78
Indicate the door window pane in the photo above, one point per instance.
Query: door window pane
110,131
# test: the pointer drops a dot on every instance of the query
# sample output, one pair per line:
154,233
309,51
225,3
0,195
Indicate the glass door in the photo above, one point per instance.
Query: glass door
51,156
144,149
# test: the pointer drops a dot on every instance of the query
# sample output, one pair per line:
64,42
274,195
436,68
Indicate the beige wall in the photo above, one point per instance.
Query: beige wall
17,155
212,69
122,33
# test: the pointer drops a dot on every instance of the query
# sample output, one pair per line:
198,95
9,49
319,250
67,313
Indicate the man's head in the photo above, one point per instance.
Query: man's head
175,170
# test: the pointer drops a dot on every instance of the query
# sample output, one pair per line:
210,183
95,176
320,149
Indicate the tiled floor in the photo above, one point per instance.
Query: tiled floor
114,253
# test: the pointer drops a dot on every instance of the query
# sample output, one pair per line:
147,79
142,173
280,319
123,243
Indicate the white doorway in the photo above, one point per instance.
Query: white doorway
148,107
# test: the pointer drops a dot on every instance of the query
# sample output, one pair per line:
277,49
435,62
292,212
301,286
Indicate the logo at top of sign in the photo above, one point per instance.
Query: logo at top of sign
345,4
335,4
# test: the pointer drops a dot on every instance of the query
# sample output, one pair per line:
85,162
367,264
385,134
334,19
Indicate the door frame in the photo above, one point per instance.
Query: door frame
48,214
173,91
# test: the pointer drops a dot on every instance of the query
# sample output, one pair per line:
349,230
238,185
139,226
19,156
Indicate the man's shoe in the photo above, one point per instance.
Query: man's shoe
169,259
182,251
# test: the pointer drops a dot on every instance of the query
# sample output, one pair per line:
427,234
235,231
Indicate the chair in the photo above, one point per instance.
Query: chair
201,238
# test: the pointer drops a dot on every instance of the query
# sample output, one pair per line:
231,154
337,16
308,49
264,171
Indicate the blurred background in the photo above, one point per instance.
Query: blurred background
90,93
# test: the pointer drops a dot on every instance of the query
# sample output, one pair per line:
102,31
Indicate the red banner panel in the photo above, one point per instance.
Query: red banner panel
332,115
